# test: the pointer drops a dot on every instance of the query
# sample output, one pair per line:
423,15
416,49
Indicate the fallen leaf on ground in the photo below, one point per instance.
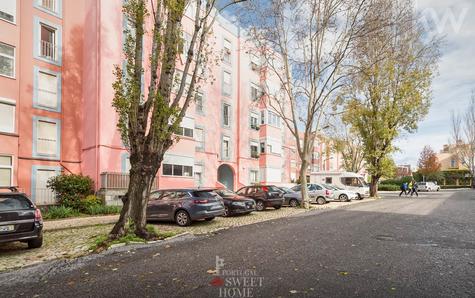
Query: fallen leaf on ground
343,273
211,271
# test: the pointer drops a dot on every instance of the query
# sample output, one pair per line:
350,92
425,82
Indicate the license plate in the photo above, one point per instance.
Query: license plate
8,228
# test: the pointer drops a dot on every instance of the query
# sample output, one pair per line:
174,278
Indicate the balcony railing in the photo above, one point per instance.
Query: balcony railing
49,4
48,50
119,181
44,196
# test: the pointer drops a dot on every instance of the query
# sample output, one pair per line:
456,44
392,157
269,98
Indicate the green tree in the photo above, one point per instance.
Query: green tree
148,120
391,88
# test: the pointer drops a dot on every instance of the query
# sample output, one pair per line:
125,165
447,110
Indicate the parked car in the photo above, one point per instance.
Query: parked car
341,194
184,205
20,219
291,198
427,186
317,193
234,203
264,196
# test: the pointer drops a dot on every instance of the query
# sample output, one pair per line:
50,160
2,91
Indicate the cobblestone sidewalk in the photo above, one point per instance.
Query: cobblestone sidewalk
62,241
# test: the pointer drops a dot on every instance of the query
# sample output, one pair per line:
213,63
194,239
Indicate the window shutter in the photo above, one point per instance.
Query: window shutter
47,90
7,118
46,138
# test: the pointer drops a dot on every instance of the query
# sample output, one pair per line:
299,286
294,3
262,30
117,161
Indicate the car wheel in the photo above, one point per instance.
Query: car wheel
360,197
260,205
277,207
182,218
343,198
35,243
293,203
226,211
321,201
209,218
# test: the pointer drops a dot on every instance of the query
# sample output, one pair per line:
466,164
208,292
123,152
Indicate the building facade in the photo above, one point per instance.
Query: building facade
56,73
448,159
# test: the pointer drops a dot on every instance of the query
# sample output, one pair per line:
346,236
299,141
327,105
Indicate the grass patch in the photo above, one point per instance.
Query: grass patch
102,242
102,210
57,212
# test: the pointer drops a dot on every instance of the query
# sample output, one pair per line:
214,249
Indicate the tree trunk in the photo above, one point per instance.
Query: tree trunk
373,186
473,181
303,183
134,204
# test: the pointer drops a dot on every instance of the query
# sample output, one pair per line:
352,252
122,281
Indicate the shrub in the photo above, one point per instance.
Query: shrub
71,189
389,187
101,209
56,212
91,201
396,181
454,186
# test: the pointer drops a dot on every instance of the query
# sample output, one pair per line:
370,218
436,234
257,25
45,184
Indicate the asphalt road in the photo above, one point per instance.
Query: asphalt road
401,247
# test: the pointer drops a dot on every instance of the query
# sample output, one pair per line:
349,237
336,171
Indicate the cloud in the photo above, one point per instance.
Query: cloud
452,88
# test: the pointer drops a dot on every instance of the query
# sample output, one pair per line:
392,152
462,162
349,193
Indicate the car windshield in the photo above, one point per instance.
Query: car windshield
203,194
8,203
273,188
286,189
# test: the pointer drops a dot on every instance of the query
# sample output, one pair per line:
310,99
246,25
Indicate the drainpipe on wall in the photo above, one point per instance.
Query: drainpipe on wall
238,126
98,86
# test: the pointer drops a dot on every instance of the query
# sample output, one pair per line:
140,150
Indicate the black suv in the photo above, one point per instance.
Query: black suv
264,195
20,220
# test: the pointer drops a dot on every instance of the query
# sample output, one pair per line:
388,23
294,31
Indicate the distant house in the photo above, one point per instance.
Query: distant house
448,158
403,171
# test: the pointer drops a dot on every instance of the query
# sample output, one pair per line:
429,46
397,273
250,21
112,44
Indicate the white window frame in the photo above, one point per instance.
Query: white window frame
227,50
14,60
200,144
36,103
8,167
229,153
229,114
258,92
14,13
9,102
56,156
58,12
202,110
256,172
182,170
229,89
38,22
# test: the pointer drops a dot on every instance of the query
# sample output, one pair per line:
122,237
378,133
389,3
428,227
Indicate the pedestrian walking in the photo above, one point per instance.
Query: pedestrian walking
409,187
414,188
404,188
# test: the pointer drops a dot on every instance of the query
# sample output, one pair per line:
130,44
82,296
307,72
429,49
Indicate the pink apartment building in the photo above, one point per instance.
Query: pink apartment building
56,63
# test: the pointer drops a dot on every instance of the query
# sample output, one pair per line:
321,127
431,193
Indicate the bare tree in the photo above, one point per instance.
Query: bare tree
148,120
463,137
348,143
305,44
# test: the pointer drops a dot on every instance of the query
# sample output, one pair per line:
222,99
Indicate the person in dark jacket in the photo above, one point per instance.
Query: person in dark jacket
413,189
403,188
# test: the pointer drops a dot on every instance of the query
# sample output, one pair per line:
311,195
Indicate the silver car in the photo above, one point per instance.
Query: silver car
341,194
317,193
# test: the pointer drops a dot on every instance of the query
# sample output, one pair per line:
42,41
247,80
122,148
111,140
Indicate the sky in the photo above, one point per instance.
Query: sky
455,20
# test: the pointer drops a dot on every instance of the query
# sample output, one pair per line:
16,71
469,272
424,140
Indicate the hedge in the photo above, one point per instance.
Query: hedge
454,186
389,187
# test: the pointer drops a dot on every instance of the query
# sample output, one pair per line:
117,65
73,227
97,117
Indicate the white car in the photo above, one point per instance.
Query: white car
427,186
341,194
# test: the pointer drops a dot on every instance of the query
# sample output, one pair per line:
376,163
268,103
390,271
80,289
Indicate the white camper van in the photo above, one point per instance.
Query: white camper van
347,180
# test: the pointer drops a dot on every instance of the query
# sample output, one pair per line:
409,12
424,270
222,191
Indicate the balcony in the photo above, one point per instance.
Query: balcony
110,180
48,50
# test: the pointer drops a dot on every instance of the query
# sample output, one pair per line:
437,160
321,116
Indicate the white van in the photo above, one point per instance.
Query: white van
347,180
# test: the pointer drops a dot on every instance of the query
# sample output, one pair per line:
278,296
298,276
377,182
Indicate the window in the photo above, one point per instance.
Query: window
227,51
199,102
48,42
177,170
41,194
7,60
254,150
7,116
53,7
199,137
198,169
226,148
269,148
293,164
453,163
184,131
263,117
6,170
49,4
8,10
328,180
47,93
226,115
351,181
255,92
253,176
226,83
273,119
263,147
46,134
186,43
254,121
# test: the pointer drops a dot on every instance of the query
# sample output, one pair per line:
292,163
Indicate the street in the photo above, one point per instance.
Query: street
401,247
